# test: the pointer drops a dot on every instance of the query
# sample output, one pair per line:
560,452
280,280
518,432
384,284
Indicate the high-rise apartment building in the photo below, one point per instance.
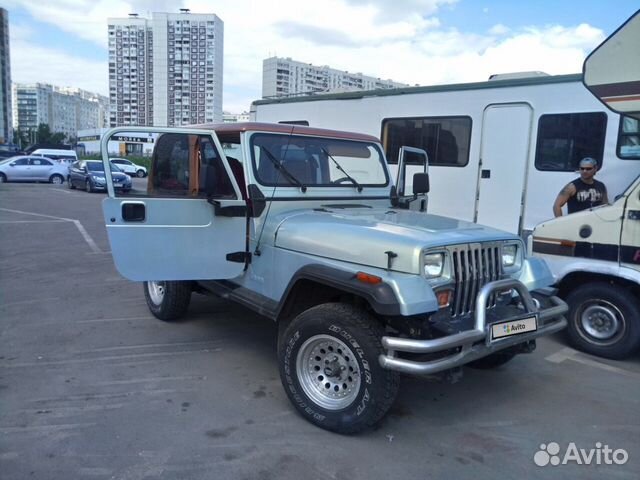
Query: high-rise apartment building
283,77
165,71
6,132
64,109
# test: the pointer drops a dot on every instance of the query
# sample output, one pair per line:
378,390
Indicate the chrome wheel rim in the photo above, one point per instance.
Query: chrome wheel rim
156,292
328,372
601,322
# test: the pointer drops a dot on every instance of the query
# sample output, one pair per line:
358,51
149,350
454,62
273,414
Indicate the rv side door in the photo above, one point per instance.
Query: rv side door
414,179
630,238
186,220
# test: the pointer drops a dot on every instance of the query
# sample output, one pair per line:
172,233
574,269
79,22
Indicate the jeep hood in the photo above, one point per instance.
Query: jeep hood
363,235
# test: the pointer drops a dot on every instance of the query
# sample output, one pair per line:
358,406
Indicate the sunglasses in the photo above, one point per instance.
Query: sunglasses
587,169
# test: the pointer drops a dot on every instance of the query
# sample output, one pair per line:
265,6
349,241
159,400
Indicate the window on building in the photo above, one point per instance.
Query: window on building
565,139
445,139
629,138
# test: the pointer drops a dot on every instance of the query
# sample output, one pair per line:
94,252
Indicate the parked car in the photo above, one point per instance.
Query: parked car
127,166
89,174
26,168
10,150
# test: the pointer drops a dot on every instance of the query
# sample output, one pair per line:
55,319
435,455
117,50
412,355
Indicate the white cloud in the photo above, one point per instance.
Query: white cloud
398,39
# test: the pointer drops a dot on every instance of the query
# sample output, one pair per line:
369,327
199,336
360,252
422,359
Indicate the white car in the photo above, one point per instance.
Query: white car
130,168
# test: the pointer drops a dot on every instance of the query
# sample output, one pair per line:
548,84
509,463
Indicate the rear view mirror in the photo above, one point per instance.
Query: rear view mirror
420,183
612,71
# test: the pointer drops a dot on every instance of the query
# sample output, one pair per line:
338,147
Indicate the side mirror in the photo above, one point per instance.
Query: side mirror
12,164
420,183
612,71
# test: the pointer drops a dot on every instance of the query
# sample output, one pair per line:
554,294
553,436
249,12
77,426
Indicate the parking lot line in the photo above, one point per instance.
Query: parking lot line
575,356
81,229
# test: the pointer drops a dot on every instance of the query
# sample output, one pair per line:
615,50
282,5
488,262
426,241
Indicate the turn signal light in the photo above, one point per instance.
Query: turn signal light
367,278
444,298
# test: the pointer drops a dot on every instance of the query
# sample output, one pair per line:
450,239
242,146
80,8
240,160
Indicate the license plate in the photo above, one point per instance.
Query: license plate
514,327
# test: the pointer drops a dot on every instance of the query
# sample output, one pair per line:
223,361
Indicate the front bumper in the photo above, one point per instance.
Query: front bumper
470,345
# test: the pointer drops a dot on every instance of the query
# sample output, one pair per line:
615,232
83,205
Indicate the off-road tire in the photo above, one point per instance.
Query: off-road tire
174,300
609,302
374,389
494,360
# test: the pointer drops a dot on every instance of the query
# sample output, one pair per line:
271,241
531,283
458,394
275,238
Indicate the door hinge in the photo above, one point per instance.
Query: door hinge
239,257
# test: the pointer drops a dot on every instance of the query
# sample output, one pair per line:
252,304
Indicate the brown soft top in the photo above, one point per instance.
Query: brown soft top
231,128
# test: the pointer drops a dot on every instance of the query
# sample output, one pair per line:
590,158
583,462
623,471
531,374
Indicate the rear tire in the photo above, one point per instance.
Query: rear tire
328,359
168,301
56,179
604,320
140,174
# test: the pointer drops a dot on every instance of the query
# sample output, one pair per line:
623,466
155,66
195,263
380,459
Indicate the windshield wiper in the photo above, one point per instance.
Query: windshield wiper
284,171
339,167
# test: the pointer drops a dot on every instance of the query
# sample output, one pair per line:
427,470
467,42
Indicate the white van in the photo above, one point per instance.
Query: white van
66,156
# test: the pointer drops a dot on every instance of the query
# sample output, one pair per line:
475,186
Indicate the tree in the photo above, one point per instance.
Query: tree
46,137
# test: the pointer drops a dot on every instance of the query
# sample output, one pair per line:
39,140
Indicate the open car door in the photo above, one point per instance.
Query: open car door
186,220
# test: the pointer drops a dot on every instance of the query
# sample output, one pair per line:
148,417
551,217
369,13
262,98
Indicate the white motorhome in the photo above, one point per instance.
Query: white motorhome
499,151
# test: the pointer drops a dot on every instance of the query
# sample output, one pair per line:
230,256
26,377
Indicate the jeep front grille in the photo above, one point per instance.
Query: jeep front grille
474,265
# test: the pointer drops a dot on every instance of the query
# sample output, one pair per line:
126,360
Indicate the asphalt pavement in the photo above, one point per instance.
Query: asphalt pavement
93,387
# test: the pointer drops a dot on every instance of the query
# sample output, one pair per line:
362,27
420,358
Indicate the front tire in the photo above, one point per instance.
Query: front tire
168,301
604,320
328,359
3,178
88,186
70,184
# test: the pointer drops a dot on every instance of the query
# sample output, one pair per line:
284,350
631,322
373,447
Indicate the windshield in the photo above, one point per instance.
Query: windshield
317,161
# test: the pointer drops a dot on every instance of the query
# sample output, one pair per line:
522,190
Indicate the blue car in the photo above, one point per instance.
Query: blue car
89,174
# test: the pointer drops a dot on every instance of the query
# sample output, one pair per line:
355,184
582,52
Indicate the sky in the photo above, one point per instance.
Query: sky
418,42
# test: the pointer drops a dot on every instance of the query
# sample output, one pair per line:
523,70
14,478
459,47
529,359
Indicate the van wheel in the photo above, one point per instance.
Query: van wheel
604,320
167,301
328,359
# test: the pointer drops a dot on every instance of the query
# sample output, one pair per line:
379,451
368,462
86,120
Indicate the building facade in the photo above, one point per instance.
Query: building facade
165,71
228,117
64,109
282,77
6,131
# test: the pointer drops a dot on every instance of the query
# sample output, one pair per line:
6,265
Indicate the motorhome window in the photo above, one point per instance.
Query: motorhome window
629,138
565,139
445,139
312,161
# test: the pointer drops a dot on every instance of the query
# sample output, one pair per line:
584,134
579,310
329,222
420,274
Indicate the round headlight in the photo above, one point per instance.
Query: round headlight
433,264
509,255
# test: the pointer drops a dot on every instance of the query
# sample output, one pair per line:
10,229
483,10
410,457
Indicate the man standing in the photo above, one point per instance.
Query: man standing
584,192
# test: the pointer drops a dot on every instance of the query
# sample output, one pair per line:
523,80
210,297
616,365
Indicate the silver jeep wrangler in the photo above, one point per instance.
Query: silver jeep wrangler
306,227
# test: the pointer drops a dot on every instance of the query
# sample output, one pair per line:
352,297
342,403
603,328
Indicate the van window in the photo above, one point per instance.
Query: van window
629,138
565,139
445,139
